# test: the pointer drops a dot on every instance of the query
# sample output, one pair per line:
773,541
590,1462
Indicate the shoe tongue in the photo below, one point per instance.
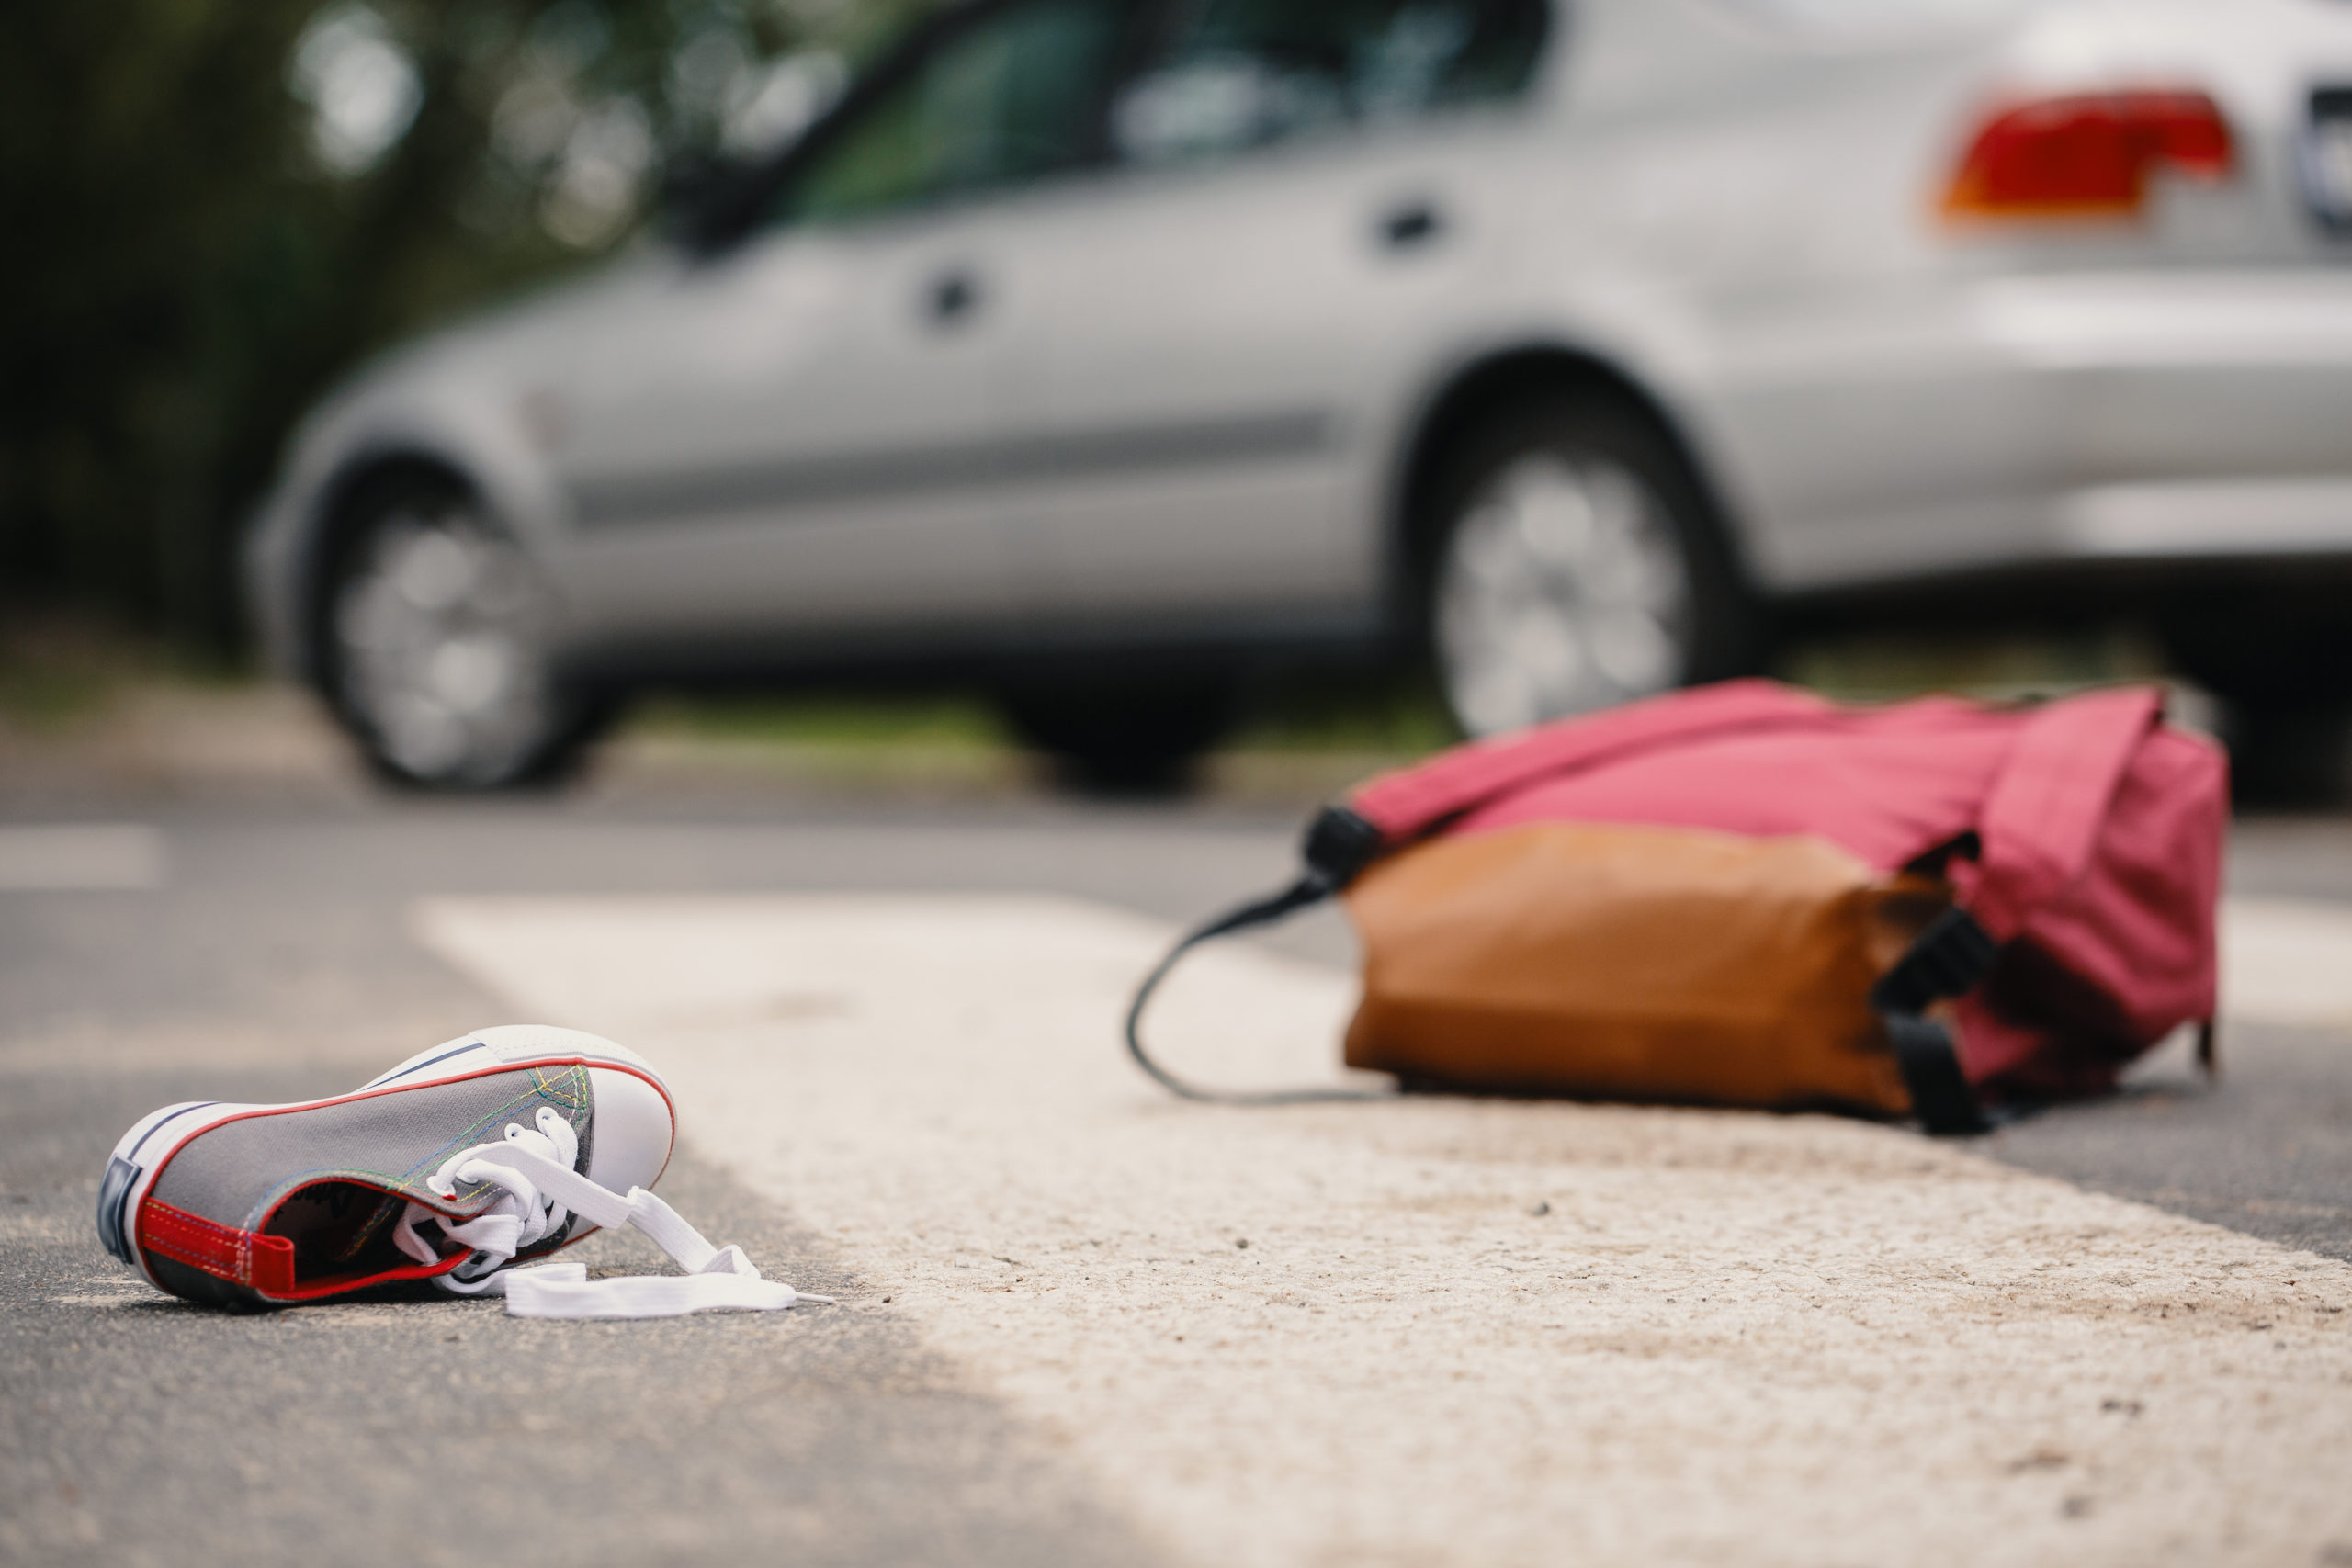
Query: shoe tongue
473,1200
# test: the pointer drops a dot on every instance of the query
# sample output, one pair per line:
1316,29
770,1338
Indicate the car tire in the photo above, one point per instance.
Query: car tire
2288,758
2281,665
1571,563
1123,738
433,633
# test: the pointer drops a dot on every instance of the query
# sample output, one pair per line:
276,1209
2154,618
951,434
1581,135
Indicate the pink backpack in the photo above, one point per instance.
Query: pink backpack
2069,854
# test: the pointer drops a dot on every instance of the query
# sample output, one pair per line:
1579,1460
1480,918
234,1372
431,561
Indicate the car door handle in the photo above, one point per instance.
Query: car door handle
1410,225
952,297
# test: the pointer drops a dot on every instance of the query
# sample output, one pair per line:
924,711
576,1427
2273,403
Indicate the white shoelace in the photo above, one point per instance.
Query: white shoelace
539,1191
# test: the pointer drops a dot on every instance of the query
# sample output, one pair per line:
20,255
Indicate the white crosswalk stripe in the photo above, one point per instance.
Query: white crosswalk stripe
1458,1332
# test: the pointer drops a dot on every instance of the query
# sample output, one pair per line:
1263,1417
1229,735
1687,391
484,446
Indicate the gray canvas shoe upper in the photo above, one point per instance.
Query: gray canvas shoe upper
399,1180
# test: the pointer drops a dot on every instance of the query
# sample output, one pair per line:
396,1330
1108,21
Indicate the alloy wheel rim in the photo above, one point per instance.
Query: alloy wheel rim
441,632
1563,589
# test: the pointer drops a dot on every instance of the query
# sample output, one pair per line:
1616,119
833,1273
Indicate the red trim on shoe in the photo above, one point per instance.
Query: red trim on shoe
264,1263
336,1284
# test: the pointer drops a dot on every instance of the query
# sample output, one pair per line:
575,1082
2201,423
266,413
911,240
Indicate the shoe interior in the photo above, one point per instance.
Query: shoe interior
340,1229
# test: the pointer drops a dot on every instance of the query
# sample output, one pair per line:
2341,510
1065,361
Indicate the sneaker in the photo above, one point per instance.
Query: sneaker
488,1151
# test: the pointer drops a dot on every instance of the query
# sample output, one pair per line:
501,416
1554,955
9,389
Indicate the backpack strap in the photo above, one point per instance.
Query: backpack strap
1946,960
2035,836
2041,820
1339,844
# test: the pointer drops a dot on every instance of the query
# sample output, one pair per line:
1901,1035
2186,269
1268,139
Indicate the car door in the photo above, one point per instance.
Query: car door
794,441
1284,206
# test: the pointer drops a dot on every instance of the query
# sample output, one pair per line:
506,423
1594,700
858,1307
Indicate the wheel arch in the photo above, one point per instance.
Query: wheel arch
1500,378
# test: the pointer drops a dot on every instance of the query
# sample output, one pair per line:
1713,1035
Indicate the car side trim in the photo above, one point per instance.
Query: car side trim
625,500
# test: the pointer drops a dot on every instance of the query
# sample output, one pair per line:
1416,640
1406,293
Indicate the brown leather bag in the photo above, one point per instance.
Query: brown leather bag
1626,962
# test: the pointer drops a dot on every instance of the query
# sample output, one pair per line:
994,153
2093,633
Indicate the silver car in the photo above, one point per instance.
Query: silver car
1100,351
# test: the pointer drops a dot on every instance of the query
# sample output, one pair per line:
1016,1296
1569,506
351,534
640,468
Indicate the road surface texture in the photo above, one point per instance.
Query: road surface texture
1458,1332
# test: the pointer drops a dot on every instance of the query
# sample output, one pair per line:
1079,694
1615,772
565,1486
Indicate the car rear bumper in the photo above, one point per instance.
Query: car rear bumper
2206,519
2204,404
2018,420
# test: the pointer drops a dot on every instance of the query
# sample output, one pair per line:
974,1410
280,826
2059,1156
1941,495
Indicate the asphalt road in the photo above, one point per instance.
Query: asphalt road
272,962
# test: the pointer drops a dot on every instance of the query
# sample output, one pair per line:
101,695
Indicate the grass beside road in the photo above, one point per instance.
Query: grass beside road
1885,666
1389,716
921,744
1295,742
1365,715
84,698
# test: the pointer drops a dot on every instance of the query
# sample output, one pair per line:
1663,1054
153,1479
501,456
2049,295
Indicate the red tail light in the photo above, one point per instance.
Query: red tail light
2087,156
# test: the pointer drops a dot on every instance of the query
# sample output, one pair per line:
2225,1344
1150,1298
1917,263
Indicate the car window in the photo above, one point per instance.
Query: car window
1226,75
1014,97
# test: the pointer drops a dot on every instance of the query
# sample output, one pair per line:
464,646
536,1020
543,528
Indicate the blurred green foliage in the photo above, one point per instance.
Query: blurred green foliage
200,241
862,720
1326,714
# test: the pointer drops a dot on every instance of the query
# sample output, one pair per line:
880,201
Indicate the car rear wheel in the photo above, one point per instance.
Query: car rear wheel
2281,663
434,647
1572,568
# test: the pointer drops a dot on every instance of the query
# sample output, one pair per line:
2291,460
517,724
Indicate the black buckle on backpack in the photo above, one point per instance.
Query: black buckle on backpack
1946,960
1940,1097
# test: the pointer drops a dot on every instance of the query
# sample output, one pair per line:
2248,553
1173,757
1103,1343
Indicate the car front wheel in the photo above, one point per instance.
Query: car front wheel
1572,569
435,647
